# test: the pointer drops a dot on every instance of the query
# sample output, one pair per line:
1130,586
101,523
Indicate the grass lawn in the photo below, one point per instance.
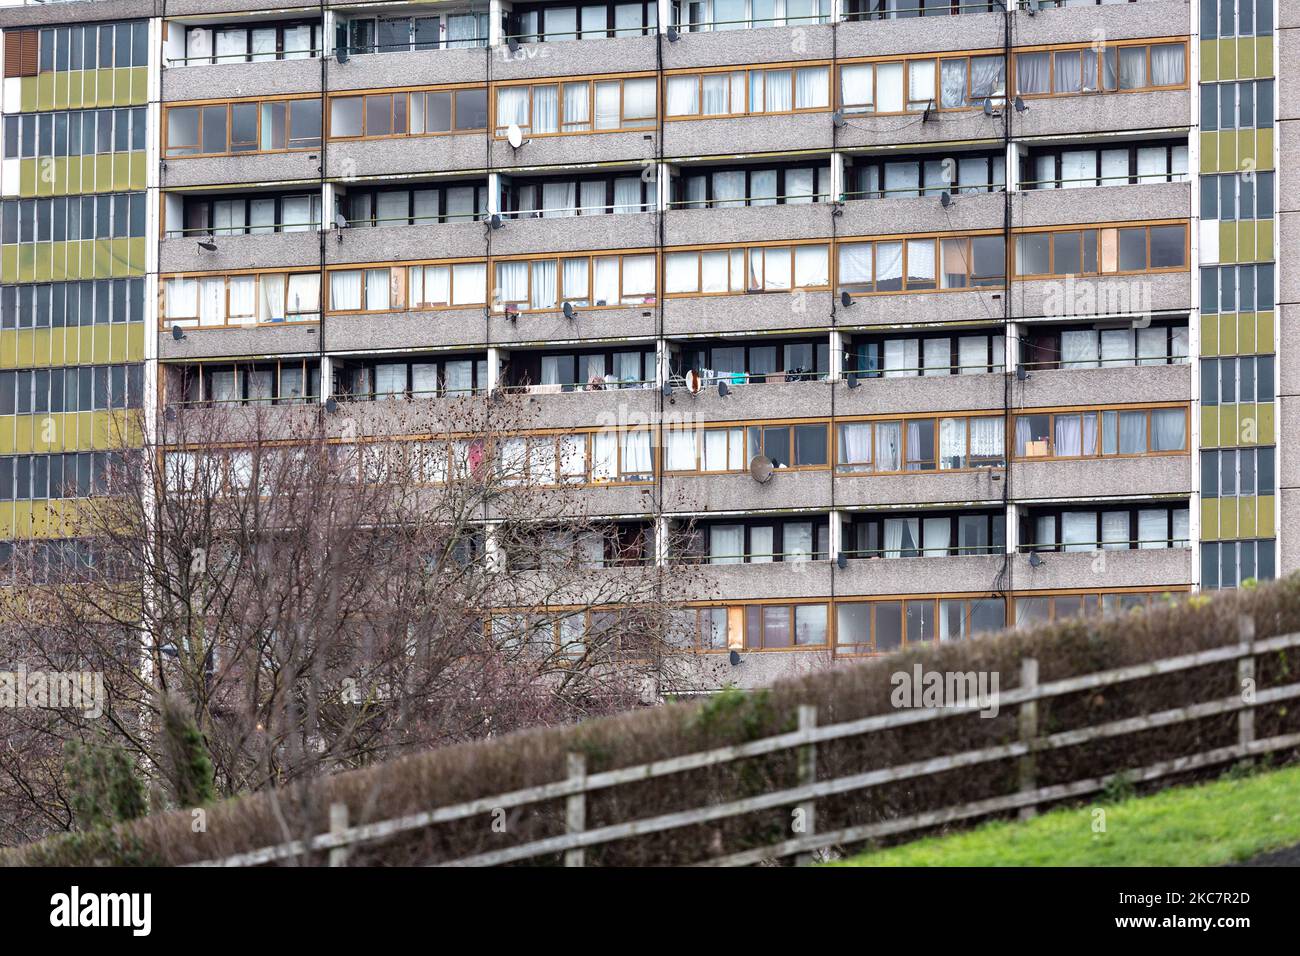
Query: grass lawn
1225,821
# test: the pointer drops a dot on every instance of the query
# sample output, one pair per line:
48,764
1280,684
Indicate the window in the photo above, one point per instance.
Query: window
83,47
101,216
424,377
1226,564
751,186
1109,250
287,382
240,299
552,197
40,477
1074,168
1236,18
1247,288
924,534
586,370
75,133
739,364
292,40
756,541
915,85
1238,472
1064,71
422,205
948,352
1162,343
71,304
82,388
576,106
697,16
1118,527
900,9
920,264
546,23
1044,609
922,176
920,444
1106,433
1245,104
1232,196
598,281
881,627
250,214
755,91
602,457
730,271
1246,379
445,285
234,128
424,32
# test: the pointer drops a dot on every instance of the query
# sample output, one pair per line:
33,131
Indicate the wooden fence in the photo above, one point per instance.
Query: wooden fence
803,797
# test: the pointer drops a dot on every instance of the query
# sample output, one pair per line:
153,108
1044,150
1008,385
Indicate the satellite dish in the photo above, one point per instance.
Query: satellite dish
177,333
988,106
693,382
846,300
339,221
673,34
761,468
945,199
495,221
514,135
568,311
851,380
837,118
723,390
1020,105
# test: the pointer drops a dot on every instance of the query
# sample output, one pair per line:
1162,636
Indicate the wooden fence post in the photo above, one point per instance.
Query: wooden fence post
807,775
576,808
338,824
1246,672
1028,733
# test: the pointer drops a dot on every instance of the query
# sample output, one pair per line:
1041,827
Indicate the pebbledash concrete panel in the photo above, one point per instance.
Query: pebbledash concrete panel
920,214
1144,567
977,487
1047,388
297,166
686,227
1086,299
1072,480
920,395
1128,203
565,234
566,58
874,577
226,81
389,331
373,71
239,342
284,250
404,243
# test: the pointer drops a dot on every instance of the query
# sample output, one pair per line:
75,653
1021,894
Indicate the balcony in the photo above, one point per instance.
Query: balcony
565,58
1140,202
1086,386
261,251
228,80
1102,477
1148,567
684,227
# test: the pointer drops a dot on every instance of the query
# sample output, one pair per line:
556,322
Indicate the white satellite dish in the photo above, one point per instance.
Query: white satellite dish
761,468
514,135
693,383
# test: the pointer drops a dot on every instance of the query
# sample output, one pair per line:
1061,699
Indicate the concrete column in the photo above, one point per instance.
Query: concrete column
665,14
495,9
661,526
494,186
326,379
837,177
836,356
835,538
495,356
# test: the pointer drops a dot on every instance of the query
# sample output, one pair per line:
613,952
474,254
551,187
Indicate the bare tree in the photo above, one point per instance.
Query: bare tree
323,597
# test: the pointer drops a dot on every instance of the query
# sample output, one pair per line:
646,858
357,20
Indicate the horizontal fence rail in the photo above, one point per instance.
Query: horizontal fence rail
575,787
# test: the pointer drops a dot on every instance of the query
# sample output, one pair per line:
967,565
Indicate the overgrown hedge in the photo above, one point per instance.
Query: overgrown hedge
841,693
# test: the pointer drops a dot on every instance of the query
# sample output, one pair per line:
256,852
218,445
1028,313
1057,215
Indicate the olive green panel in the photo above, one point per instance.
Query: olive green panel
1210,518
1210,335
1209,152
1246,517
1227,241
1227,60
1266,414
1209,61
1227,518
1265,511
1265,338
1264,251
1263,56
1246,241
1209,426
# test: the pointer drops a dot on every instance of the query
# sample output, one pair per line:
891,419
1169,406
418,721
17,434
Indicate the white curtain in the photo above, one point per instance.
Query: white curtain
393,208
1167,64
232,45
900,536
512,281
800,188
683,95
952,443
469,284
729,188
639,99
1068,437
627,194
198,44
542,294
986,437
1153,528
855,447
460,376
1114,530
938,531
546,109
270,298
1118,347
345,290
636,453
761,544
212,300
429,285
1168,429
811,266
1033,73
512,106
243,298
1067,68
727,544
1079,530
1078,168
607,113
889,88
390,379
812,87
182,299
559,199
938,356
682,272
952,83
797,540
681,449
638,278
577,107
605,282
973,354
591,197
889,265
855,264
716,94
920,83
1079,349
778,91
858,87
424,379
1182,527
902,357
573,281
722,449
889,446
